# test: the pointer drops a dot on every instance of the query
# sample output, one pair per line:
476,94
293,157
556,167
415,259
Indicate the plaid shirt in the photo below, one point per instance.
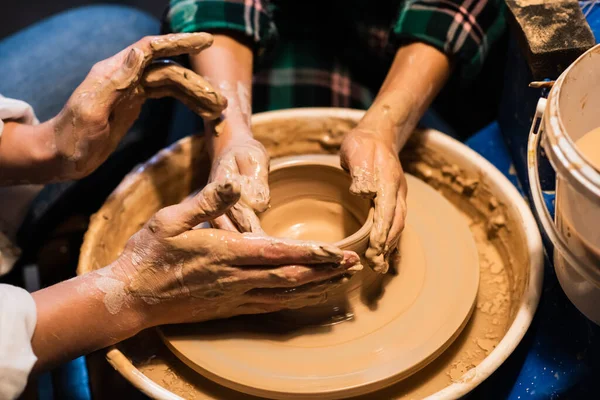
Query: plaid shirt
319,53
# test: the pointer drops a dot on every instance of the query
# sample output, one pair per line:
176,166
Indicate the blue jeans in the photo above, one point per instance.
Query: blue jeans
43,65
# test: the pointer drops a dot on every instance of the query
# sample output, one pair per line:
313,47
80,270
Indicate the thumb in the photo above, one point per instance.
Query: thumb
109,83
130,70
214,200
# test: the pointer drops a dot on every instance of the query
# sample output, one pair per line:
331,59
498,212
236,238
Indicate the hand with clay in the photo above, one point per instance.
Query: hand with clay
370,151
171,272
201,274
377,174
103,108
234,152
246,162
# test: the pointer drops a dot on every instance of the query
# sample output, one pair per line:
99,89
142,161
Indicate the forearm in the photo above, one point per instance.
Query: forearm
418,73
228,65
28,154
82,315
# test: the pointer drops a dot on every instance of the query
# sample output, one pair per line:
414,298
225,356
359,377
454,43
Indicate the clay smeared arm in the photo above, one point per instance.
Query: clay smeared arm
370,151
228,66
235,154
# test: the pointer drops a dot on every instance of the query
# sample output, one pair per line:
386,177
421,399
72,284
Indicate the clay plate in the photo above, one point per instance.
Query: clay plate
416,315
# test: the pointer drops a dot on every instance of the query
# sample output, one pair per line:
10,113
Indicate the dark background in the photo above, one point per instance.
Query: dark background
17,14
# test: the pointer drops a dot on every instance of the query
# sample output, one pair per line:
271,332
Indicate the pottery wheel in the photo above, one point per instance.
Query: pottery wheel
421,310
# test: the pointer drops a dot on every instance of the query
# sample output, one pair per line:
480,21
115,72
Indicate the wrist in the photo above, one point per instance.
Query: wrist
391,118
138,315
51,164
379,132
28,153
222,134
43,147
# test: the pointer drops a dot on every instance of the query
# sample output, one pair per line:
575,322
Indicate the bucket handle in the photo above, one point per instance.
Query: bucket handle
582,267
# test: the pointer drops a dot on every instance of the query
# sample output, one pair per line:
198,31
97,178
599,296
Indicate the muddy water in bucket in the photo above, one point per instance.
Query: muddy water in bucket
570,135
589,147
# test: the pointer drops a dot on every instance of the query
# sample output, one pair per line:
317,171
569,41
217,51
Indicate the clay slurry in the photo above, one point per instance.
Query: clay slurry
589,146
311,219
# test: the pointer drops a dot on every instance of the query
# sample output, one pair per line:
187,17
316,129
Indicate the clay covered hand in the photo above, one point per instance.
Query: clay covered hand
377,173
180,274
246,162
105,105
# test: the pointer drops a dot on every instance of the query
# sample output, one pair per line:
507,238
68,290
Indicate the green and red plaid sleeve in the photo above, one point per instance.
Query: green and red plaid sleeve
463,29
249,17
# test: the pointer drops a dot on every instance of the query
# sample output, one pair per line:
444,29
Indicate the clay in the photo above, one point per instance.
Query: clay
178,43
192,90
589,146
501,257
313,188
380,312
310,196
311,219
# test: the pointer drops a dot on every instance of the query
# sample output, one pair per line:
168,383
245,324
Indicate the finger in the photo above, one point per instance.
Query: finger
245,219
175,44
256,308
397,225
170,45
124,70
185,85
198,108
293,276
212,201
223,222
255,165
248,249
307,295
383,217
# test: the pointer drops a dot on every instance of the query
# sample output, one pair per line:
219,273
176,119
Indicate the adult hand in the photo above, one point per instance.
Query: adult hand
247,162
105,105
377,173
182,274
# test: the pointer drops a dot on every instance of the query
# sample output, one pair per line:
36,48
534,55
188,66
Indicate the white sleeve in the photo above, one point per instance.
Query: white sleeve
16,110
17,323
14,201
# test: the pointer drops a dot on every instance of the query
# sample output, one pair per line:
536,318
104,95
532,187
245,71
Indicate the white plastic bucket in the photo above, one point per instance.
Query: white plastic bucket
571,111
